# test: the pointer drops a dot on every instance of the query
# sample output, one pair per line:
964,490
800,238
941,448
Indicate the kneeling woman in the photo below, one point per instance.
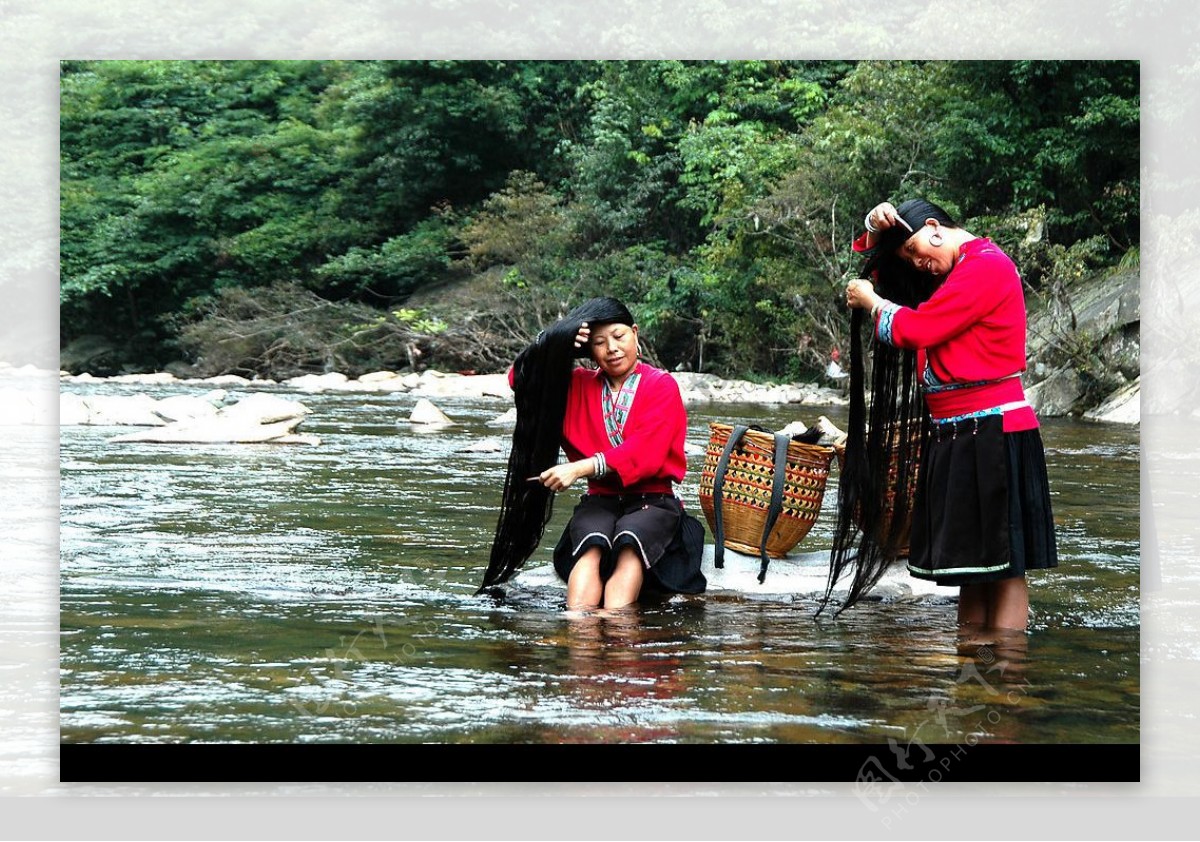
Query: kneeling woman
622,426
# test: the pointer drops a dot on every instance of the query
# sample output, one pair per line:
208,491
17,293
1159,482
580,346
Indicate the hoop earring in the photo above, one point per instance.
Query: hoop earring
935,239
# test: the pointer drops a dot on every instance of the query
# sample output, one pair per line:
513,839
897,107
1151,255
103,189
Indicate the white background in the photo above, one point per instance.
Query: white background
36,34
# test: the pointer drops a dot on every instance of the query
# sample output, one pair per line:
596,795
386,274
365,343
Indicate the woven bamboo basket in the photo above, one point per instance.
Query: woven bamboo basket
889,503
746,493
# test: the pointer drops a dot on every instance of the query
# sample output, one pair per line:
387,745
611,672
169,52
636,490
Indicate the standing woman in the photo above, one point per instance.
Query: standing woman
981,511
622,426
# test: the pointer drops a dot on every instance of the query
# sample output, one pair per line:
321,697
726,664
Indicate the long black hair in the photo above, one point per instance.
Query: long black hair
541,378
886,440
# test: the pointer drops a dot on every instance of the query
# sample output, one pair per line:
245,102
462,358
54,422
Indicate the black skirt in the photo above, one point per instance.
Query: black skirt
982,508
668,540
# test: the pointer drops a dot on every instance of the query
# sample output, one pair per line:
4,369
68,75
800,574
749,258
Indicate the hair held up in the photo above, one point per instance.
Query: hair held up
541,379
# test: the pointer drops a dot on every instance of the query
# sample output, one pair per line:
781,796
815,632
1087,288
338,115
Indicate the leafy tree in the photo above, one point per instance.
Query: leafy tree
719,198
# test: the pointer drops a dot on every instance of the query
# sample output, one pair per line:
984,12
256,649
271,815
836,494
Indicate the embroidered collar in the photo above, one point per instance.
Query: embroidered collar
616,407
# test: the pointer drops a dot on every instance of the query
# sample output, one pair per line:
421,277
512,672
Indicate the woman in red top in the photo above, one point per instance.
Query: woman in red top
981,513
622,427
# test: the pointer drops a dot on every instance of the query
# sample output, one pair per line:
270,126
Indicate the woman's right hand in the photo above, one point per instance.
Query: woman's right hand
883,216
583,336
562,476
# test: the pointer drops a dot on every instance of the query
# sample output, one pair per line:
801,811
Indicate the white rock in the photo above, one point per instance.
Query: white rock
800,574
380,381
318,382
72,410
261,408
227,380
122,410
424,412
220,430
1123,407
378,376
184,407
508,419
462,386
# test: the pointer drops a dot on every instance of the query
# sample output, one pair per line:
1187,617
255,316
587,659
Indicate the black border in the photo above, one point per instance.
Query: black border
461,762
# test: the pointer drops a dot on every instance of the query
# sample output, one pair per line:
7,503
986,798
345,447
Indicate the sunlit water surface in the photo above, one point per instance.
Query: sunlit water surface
259,593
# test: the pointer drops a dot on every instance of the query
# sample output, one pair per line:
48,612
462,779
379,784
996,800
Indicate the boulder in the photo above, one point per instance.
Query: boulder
109,410
1057,394
261,408
230,380
426,413
72,410
222,429
184,407
381,381
435,384
318,382
377,376
508,419
1100,322
708,388
257,418
800,574
1122,407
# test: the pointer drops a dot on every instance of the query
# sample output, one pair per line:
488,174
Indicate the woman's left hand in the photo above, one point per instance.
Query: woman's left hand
860,293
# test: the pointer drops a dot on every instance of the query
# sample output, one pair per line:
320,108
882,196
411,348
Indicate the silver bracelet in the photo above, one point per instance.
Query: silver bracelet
601,468
867,222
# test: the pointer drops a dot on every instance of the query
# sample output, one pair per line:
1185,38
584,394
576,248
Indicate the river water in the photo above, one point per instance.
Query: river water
291,593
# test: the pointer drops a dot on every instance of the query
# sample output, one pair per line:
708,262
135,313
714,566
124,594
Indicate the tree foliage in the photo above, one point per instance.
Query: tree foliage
719,198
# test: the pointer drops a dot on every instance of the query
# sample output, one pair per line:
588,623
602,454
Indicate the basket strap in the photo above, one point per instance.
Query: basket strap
735,435
782,440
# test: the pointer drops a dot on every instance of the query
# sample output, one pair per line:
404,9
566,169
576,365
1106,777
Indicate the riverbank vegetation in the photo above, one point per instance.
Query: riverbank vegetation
282,217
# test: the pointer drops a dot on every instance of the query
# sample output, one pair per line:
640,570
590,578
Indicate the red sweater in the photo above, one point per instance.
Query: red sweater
651,456
969,337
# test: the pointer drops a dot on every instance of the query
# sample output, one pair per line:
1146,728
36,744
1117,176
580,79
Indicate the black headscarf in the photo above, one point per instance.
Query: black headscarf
541,379
895,431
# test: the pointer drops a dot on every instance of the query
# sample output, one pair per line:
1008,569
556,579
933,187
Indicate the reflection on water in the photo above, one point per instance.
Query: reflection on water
301,594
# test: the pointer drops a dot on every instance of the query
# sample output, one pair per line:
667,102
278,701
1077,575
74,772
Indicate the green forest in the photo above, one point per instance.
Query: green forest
275,218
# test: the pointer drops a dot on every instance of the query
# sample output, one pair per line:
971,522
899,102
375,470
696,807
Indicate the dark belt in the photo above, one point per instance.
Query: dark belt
632,498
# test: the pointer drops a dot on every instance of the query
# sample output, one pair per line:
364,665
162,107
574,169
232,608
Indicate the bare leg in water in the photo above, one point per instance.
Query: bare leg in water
623,587
584,588
1009,604
995,605
586,591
